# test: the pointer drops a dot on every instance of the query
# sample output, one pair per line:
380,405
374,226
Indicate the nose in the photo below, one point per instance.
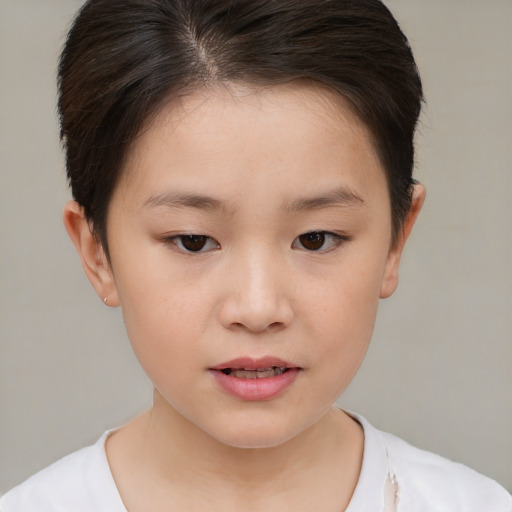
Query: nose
257,295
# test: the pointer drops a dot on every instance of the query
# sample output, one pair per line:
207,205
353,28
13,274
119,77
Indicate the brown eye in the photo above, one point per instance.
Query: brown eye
313,241
195,243
192,243
320,241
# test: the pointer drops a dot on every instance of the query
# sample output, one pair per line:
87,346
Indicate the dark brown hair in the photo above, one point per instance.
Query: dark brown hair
124,58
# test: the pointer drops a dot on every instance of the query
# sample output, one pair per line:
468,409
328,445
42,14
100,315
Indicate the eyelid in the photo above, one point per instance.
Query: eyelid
338,239
175,242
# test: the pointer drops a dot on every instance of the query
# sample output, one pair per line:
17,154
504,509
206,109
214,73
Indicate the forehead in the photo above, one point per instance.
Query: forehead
231,135
223,105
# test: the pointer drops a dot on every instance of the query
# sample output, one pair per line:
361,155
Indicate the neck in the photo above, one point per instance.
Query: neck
173,450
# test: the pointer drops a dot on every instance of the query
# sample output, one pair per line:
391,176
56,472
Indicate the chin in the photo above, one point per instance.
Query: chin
256,435
255,440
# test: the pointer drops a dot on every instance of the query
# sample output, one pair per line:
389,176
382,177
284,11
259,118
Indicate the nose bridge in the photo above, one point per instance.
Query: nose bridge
258,296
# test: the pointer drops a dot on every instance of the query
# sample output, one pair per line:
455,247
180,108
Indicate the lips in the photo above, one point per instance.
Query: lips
255,379
260,373
249,363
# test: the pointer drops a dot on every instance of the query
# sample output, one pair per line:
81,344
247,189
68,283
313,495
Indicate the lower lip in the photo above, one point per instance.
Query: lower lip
256,389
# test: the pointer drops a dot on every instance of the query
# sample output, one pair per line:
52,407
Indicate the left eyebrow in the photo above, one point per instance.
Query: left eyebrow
182,200
341,196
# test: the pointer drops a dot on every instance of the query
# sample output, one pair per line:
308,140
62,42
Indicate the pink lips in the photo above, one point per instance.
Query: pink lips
255,389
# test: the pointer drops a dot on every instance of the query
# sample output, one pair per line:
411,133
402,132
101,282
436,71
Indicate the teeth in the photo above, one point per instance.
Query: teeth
260,373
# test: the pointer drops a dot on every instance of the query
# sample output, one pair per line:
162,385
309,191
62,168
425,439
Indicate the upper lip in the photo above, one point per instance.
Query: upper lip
251,363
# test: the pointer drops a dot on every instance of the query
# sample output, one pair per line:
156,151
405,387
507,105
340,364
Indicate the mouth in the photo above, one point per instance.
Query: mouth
252,379
259,373
255,368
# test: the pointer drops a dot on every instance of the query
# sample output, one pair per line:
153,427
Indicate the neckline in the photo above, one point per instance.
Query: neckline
374,472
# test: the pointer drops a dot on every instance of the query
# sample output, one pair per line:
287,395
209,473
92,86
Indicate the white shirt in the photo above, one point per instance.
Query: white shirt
395,477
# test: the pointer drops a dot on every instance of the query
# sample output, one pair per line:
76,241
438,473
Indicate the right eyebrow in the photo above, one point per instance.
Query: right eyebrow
182,200
341,196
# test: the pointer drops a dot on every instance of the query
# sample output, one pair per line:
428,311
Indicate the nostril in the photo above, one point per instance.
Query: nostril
254,327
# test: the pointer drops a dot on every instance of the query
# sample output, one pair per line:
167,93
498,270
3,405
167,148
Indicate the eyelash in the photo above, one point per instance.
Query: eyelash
177,242
336,240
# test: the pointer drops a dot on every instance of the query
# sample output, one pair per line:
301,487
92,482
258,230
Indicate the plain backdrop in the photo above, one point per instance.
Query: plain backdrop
438,370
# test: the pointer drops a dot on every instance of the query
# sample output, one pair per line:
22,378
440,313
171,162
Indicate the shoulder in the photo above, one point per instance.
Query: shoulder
80,482
427,481
53,488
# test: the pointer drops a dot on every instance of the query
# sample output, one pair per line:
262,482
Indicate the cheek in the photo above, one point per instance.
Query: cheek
341,318
164,313
345,337
344,329
166,337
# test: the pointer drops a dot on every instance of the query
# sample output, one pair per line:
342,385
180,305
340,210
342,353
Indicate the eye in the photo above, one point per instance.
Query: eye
318,241
193,243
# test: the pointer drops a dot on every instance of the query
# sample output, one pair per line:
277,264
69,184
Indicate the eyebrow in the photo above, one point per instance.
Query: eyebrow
342,196
183,200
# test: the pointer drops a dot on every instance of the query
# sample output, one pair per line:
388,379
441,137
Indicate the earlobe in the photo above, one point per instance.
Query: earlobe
390,279
92,255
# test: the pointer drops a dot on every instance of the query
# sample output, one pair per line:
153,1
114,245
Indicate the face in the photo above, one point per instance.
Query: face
249,240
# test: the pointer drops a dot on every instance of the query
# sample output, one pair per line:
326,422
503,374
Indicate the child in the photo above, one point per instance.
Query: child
242,181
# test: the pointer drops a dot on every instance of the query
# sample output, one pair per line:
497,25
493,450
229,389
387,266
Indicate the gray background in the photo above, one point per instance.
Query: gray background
437,372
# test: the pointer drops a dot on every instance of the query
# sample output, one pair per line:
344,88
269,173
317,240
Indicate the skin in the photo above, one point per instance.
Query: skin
275,163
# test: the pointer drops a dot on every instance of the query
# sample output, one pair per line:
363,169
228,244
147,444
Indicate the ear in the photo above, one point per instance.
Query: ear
390,279
92,255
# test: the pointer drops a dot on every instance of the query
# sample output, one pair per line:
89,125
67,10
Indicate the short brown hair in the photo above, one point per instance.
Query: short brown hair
124,58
